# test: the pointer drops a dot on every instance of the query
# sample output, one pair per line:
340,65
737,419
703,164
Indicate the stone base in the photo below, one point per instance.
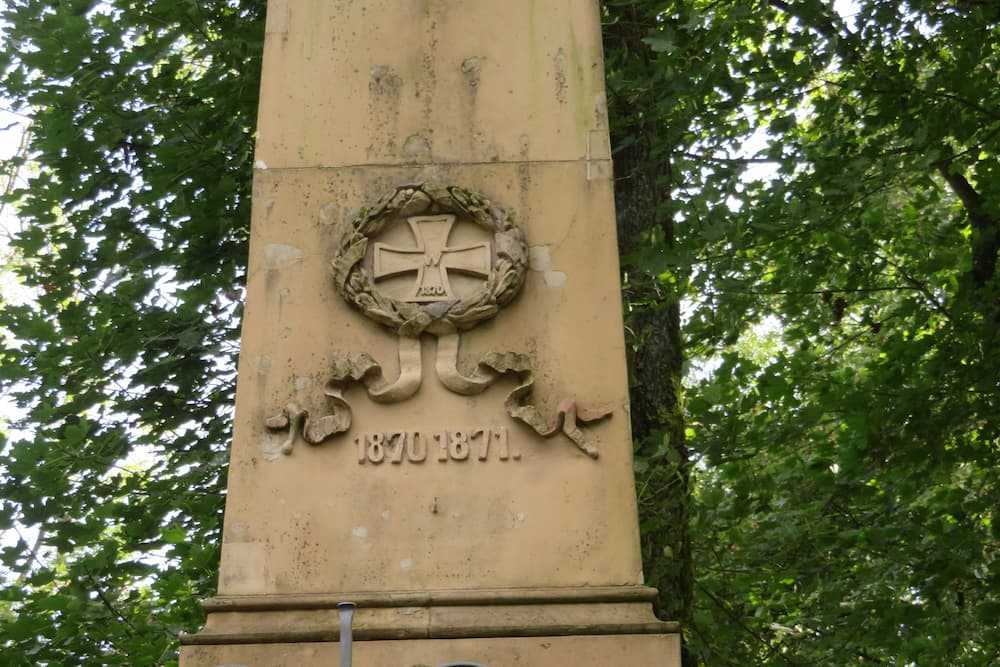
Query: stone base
505,628
597,650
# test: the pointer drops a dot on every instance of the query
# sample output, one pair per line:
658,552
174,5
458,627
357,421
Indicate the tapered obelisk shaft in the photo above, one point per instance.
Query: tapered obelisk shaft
432,409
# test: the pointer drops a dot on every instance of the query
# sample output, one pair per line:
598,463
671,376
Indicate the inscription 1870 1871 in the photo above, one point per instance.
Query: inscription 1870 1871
484,443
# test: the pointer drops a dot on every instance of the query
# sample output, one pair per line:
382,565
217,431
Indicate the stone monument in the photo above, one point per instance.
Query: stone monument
432,411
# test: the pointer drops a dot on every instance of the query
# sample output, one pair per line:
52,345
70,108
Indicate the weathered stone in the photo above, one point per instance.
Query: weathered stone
468,475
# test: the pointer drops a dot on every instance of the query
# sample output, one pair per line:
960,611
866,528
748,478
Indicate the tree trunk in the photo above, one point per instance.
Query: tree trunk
653,334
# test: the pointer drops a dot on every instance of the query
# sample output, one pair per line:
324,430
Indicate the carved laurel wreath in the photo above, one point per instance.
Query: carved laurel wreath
510,261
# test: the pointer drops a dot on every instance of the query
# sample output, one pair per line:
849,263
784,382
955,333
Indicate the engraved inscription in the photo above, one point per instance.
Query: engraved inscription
432,290
477,444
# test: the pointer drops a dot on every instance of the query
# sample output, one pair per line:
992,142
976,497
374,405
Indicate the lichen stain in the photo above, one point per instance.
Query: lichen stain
384,88
424,86
555,278
471,71
524,176
539,258
280,255
264,365
471,68
329,213
559,62
416,147
600,110
270,451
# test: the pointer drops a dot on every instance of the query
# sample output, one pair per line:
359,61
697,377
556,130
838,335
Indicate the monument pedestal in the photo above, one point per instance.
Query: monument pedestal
559,651
432,411
507,627
433,615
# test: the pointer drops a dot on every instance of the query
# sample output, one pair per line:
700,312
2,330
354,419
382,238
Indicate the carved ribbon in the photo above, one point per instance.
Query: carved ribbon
362,369
492,367
567,419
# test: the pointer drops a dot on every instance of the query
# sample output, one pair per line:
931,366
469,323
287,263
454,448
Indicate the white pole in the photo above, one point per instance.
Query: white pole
346,611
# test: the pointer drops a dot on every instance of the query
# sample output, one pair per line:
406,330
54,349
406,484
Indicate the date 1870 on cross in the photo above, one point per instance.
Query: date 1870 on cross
432,259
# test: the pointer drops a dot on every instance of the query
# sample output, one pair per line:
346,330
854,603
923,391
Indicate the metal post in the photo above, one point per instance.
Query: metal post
346,611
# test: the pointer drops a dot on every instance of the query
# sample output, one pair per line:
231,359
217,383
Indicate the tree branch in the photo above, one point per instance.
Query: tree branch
889,288
825,24
919,286
962,189
730,160
985,228
738,620
107,603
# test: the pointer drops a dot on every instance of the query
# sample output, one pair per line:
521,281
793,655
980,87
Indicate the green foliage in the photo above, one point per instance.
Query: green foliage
133,243
811,199
844,487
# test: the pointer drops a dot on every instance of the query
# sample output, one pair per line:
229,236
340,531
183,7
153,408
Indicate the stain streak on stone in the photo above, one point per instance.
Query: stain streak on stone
384,90
560,74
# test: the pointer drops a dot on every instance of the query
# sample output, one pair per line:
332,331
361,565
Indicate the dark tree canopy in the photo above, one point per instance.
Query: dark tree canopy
809,221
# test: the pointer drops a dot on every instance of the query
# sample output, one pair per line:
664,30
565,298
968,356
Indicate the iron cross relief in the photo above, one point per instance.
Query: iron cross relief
432,259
